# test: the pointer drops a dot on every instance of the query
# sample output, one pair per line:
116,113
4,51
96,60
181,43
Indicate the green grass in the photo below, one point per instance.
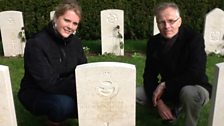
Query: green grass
144,116
129,45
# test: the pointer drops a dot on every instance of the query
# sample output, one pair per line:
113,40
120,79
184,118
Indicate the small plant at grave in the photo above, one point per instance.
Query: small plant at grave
220,51
86,50
21,35
119,36
108,54
136,55
121,45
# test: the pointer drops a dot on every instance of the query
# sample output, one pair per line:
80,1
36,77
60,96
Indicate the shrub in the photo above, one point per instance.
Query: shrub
138,15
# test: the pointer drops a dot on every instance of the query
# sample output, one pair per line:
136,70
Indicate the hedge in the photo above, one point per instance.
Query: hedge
138,14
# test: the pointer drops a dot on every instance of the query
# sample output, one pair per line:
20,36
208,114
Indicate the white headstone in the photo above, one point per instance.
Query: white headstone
11,24
106,93
112,31
214,32
7,109
52,15
216,115
155,27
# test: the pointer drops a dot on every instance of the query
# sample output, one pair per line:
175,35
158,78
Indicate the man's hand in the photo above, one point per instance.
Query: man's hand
164,111
158,93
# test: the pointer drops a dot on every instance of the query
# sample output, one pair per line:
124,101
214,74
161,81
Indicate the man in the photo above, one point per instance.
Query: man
174,75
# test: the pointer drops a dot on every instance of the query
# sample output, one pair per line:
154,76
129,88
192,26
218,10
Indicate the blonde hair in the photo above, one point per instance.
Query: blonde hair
65,6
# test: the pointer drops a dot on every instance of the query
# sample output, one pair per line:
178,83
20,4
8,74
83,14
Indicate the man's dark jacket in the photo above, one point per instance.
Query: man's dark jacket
49,63
184,63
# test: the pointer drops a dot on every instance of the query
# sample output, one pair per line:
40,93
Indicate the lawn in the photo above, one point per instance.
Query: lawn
134,54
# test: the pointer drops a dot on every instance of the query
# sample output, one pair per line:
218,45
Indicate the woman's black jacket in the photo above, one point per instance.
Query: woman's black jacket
50,62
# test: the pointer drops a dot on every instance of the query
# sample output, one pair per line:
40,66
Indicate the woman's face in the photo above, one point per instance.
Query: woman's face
67,23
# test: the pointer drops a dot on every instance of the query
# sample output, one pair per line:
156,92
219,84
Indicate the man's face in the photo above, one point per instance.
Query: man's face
67,23
168,22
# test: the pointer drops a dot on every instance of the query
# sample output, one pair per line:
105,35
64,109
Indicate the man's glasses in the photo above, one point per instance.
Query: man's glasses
170,22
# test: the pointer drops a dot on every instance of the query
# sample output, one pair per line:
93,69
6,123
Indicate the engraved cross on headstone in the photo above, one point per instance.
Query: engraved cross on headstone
11,20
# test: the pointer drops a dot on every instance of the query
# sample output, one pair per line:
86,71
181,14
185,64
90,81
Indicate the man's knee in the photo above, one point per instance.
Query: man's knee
193,94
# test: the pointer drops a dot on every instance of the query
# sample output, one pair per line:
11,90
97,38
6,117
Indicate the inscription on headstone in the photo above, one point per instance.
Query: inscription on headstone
106,94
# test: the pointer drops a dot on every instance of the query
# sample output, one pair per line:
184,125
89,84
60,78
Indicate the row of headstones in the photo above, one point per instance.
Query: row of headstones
112,32
13,33
106,97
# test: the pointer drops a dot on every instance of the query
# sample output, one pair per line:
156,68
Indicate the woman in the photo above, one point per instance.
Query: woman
50,59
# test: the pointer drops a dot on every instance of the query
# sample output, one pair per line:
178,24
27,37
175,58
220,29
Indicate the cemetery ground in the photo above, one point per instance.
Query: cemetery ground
134,54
